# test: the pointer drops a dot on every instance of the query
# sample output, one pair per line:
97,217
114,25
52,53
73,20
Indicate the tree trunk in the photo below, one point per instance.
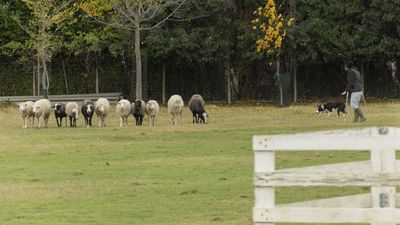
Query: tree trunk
97,76
138,63
292,14
34,81
163,84
294,72
228,80
278,73
38,76
65,77
45,81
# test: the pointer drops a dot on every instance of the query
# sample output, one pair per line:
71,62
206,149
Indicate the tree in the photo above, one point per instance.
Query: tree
48,15
272,27
133,15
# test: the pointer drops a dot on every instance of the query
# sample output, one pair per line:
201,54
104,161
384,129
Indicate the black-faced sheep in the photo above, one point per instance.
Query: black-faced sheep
138,111
152,109
42,109
87,110
175,107
59,113
72,111
123,109
197,106
102,107
26,109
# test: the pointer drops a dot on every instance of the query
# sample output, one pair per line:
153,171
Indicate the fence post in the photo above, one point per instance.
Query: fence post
264,196
383,161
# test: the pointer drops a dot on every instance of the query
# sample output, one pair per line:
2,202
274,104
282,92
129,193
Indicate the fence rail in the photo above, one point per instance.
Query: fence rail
113,97
381,173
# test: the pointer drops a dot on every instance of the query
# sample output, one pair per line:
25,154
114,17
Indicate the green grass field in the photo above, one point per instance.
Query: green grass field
185,175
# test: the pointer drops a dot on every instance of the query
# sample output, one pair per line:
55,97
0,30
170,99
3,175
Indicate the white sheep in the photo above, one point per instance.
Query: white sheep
152,109
123,109
72,111
26,109
102,107
42,109
175,107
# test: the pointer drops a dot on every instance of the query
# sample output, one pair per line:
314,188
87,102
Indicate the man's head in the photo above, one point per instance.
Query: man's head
348,65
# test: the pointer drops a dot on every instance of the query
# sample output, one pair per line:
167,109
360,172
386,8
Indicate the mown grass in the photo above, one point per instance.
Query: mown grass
187,174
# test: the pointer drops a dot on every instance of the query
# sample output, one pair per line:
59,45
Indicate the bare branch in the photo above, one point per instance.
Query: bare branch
188,19
167,17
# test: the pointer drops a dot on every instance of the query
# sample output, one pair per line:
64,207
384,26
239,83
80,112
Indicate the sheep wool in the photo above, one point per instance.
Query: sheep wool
42,109
152,109
59,113
102,107
175,107
72,111
26,110
87,112
197,107
123,109
138,111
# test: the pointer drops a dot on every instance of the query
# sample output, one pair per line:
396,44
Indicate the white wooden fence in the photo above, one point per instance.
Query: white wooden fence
379,207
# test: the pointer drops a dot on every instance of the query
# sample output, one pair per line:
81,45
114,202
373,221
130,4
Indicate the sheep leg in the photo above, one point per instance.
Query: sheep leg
121,121
46,121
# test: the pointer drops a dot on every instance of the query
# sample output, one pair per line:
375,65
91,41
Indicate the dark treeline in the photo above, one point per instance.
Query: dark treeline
208,41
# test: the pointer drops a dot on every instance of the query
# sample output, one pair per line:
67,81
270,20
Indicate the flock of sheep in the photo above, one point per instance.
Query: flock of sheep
41,110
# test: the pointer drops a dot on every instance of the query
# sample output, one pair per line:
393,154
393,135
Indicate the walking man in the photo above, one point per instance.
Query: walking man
354,88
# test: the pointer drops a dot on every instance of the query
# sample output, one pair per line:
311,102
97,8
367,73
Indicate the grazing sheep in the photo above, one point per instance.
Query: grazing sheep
26,110
152,109
87,112
42,109
123,109
196,105
175,106
102,107
72,111
138,111
59,113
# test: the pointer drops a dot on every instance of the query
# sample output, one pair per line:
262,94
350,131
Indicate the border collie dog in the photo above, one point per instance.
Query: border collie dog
327,107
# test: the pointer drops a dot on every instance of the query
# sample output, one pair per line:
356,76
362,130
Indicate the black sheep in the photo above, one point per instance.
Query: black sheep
87,110
196,105
59,113
138,111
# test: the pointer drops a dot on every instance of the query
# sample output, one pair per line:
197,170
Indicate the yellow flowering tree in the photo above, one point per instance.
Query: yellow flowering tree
272,28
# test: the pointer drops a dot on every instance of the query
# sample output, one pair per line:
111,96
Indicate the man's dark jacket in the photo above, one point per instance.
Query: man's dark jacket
353,80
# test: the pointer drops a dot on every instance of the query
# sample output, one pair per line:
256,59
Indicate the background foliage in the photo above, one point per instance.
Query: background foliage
198,43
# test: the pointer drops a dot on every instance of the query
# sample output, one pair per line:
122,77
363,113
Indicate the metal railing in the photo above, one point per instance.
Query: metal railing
113,97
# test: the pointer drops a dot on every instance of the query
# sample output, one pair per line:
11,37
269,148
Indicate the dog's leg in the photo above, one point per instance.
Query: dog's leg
329,114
